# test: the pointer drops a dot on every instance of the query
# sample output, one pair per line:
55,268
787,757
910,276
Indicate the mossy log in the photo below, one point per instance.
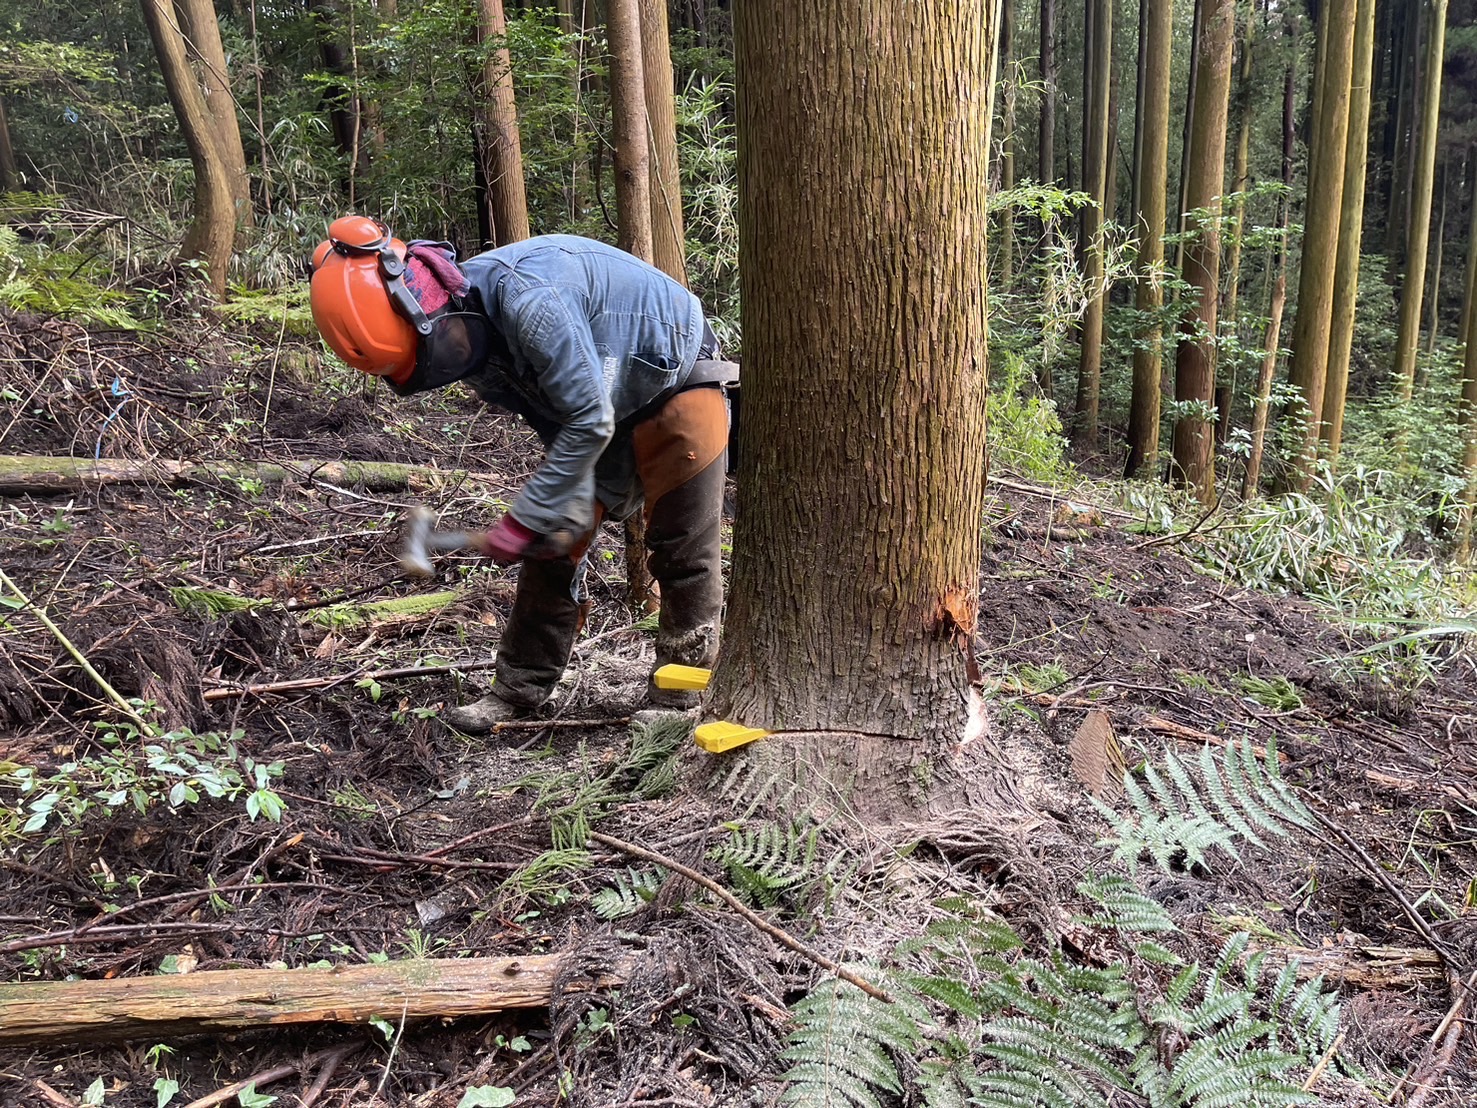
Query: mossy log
156,1008
42,475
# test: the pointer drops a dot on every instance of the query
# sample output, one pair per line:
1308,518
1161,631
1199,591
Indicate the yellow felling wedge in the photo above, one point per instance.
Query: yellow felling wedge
717,737
673,676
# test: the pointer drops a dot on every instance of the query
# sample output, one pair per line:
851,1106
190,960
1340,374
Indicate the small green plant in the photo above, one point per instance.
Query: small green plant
1276,692
1036,679
174,769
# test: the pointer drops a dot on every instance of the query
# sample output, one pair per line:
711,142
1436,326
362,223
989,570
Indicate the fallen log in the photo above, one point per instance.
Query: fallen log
44,475
234,1000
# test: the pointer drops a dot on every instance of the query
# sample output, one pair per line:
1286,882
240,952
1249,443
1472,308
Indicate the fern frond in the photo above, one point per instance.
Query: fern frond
1125,908
766,862
842,1047
628,895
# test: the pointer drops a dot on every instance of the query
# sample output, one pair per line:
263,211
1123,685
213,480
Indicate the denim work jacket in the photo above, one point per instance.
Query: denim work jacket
593,338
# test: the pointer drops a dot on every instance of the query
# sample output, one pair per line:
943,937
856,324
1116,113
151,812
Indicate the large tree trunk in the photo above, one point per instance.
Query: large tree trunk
1322,215
1095,182
1351,228
213,225
203,39
668,238
1150,173
10,175
1413,290
504,199
864,135
1182,196
1194,376
633,204
1046,130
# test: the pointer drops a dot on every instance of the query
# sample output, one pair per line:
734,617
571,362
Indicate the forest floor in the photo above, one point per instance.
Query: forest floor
400,837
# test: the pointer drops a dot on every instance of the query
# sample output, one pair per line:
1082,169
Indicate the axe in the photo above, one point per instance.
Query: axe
421,542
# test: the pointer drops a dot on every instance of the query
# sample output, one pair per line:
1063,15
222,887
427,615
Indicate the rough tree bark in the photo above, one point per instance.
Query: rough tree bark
1351,228
1192,79
213,225
668,238
1308,370
1095,182
1151,173
1413,290
864,135
504,197
203,40
1194,376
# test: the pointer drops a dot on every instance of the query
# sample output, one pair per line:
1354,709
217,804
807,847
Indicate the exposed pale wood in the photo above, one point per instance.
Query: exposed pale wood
226,1000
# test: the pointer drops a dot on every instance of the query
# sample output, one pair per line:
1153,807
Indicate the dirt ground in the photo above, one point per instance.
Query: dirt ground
403,838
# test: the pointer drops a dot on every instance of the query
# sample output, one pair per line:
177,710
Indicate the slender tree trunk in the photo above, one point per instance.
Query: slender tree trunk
1413,291
1151,173
1468,421
1134,205
213,225
1433,293
505,199
1239,171
1095,178
573,23
1110,157
633,204
1308,372
1046,132
1194,378
864,137
203,40
667,234
1469,279
1406,88
10,175
1181,195
1005,265
1351,226
1261,409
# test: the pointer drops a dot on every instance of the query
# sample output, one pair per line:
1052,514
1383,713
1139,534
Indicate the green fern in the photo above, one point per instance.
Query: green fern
540,877
770,861
1198,807
630,893
982,1026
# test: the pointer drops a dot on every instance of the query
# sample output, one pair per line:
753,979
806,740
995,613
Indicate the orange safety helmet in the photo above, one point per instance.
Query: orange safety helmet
361,304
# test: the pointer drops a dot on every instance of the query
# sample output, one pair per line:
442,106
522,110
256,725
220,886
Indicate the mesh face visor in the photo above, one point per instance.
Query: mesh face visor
457,345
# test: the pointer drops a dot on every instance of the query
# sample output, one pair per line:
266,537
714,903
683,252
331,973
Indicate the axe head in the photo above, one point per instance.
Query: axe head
415,557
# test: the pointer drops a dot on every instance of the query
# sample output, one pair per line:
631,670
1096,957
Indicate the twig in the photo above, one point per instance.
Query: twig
325,1075
308,683
1450,1026
193,895
480,833
776,933
1322,1065
52,1097
265,1077
126,708
317,539
1378,873
394,1050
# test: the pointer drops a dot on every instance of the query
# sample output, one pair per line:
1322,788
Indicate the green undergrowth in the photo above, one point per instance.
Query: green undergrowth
36,276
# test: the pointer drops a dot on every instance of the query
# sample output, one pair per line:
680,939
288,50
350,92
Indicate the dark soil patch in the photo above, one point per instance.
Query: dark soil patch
401,837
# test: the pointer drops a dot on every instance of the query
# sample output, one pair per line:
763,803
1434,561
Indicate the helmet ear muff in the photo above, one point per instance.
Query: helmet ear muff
353,311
